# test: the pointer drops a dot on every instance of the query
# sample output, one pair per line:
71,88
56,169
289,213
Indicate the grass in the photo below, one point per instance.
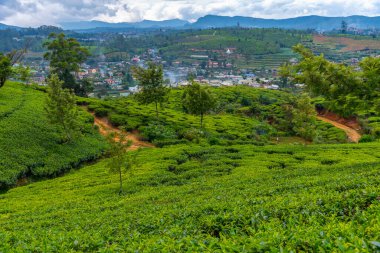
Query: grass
180,199
30,146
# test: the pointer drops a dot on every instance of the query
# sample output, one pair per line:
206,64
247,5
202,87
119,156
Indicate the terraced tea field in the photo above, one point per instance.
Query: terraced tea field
319,198
345,44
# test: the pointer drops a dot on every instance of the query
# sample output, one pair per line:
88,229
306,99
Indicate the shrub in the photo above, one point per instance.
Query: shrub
158,132
192,134
366,138
101,112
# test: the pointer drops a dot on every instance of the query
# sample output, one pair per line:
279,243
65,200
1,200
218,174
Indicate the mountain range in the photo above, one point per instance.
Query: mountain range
4,27
319,23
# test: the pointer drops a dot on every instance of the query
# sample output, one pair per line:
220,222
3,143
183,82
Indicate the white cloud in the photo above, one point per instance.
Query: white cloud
38,12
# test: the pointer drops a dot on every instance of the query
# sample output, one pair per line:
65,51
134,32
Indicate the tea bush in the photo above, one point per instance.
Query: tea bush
243,114
194,198
30,146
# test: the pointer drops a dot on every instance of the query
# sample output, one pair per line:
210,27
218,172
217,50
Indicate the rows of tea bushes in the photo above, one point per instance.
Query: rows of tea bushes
242,115
30,146
295,198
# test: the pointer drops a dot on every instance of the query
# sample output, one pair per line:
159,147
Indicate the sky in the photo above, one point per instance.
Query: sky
34,13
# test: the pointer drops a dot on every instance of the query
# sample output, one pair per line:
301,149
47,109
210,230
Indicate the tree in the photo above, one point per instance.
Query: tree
303,118
151,83
198,100
344,26
61,107
120,161
5,69
86,86
22,73
338,83
65,56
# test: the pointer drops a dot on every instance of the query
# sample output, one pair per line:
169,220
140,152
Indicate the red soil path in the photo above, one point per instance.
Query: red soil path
106,128
350,126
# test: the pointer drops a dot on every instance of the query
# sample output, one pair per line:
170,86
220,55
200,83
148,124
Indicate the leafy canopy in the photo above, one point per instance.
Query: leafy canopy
198,100
5,69
61,107
65,56
346,90
151,83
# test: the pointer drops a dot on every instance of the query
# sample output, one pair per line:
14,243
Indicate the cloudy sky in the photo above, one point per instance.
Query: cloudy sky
39,12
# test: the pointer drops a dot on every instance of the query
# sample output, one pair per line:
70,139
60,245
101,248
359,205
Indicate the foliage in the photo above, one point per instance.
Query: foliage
151,84
85,87
188,198
65,56
242,115
119,161
31,147
343,88
61,107
5,69
157,131
198,100
22,73
303,118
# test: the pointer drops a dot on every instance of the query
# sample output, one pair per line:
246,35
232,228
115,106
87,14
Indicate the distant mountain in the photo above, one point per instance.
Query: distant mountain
83,25
306,22
4,27
213,21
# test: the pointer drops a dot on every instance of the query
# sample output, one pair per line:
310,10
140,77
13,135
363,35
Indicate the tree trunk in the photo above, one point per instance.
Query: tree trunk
121,183
156,110
2,82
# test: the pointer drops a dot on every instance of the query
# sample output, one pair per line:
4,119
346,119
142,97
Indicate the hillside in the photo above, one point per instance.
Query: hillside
30,146
214,21
197,198
243,115
302,23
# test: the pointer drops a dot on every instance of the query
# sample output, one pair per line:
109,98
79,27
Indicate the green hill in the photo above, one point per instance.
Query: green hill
243,115
214,199
222,190
30,146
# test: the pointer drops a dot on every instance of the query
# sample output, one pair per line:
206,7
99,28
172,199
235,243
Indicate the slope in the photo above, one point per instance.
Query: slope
105,128
352,134
30,146
213,199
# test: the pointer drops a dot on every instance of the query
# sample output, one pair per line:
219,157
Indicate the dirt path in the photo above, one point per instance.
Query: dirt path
105,128
352,134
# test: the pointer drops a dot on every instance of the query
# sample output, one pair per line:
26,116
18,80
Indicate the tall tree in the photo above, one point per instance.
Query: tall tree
338,83
151,83
65,56
61,107
5,69
198,100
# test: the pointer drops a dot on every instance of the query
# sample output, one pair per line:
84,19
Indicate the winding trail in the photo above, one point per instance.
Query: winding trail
106,128
352,134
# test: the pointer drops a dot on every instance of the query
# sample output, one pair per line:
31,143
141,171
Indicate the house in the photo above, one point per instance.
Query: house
273,87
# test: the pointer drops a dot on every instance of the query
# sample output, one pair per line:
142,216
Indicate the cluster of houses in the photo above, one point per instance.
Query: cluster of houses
109,78
236,80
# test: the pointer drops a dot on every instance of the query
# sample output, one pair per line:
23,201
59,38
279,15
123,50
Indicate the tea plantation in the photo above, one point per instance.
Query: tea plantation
225,189
242,115
30,146
191,198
